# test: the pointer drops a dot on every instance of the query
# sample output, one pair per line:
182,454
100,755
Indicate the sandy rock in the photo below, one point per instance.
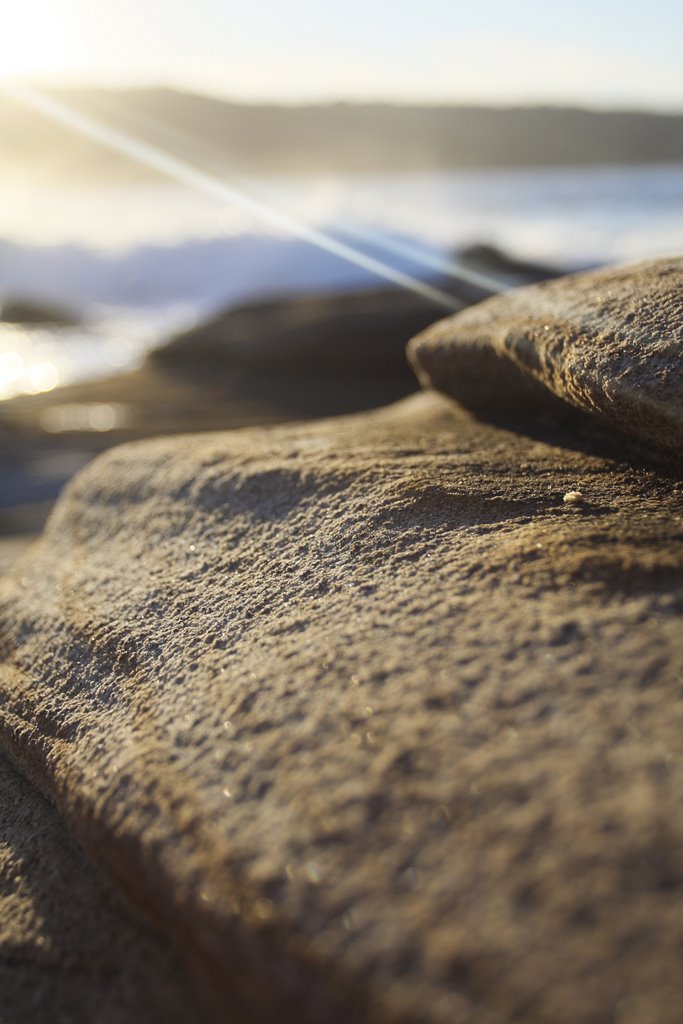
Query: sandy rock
372,723
68,951
608,342
11,548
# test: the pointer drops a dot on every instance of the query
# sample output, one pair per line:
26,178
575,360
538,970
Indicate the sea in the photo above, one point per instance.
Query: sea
138,262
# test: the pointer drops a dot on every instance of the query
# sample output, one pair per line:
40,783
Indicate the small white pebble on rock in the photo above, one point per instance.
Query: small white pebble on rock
573,498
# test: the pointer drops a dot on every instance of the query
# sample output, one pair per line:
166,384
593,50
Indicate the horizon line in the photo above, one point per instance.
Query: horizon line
55,85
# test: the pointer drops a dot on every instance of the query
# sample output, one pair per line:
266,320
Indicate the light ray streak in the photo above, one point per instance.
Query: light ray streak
179,170
434,260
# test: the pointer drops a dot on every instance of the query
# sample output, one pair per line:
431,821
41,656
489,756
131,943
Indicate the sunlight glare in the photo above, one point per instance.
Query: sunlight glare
34,40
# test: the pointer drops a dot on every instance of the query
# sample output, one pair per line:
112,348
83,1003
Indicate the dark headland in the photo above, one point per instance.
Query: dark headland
336,138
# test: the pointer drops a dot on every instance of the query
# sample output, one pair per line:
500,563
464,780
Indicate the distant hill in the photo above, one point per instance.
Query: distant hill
344,138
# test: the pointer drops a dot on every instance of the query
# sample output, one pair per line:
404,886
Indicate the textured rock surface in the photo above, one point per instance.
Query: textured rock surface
67,950
609,342
369,720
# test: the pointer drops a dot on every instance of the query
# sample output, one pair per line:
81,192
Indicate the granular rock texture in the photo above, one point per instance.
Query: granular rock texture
609,342
371,722
68,953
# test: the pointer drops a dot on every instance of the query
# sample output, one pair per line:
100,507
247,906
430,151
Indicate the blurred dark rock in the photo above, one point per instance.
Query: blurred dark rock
34,312
355,333
489,259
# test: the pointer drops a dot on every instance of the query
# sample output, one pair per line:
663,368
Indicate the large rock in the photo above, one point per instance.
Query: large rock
608,342
377,719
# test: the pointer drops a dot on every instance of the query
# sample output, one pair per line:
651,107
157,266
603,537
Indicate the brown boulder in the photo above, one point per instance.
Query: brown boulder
367,718
609,343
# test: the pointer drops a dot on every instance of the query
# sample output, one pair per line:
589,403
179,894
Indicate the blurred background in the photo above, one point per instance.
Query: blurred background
219,214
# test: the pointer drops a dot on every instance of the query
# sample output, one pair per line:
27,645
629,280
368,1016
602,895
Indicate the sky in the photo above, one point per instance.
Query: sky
601,53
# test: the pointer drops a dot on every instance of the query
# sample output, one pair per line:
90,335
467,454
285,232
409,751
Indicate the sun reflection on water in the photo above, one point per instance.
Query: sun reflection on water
80,416
38,359
28,364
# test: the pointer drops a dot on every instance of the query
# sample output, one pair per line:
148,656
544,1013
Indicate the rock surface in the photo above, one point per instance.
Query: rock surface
609,342
67,951
372,722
